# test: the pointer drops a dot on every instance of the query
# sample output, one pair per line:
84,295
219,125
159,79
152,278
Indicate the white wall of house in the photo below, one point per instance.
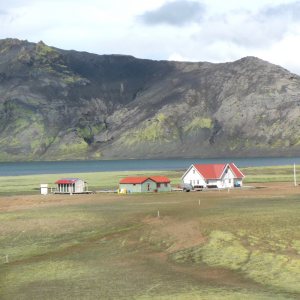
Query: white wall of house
79,186
194,178
213,182
227,179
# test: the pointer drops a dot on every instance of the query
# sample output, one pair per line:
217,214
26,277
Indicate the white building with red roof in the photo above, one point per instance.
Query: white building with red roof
145,184
213,176
71,186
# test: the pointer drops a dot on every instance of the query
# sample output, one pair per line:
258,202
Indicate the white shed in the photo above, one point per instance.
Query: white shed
71,186
44,188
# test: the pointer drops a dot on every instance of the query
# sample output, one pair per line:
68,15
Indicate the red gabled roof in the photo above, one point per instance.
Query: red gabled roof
211,171
215,171
135,180
160,179
236,171
67,180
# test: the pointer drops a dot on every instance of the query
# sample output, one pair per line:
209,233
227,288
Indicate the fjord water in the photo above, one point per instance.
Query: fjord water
60,167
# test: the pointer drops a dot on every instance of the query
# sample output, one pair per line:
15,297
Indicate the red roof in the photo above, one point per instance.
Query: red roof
236,171
67,180
160,179
135,180
211,171
215,171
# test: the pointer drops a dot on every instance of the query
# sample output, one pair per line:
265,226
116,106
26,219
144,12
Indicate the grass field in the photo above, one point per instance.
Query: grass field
244,244
270,174
24,185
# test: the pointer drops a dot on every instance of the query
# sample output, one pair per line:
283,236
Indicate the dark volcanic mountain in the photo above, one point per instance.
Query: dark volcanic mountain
57,104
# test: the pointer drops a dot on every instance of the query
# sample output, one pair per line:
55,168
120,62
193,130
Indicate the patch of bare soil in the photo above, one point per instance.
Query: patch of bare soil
216,276
185,234
30,201
270,189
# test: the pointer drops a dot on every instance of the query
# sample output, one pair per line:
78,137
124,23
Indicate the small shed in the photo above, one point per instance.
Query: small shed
146,184
44,188
71,186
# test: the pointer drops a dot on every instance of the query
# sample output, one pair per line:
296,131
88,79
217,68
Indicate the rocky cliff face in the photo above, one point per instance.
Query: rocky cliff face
59,105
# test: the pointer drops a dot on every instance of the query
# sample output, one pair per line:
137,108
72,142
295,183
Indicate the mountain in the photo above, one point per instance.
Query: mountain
66,105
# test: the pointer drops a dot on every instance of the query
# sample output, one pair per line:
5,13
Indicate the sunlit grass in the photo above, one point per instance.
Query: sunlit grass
96,181
270,174
22,185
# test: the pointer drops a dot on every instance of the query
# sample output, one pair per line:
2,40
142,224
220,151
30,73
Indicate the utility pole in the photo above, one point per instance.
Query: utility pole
294,174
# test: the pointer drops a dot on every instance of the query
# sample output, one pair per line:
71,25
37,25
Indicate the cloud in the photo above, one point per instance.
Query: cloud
288,12
252,30
242,30
176,13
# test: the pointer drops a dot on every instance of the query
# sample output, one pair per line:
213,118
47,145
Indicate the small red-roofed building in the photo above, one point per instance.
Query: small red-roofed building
145,184
71,186
213,176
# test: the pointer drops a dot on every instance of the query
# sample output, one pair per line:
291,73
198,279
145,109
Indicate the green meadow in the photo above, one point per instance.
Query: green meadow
270,174
242,244
24,185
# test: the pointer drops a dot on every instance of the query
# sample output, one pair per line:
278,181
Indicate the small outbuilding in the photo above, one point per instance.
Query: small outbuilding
71,186
44,188
213,176
145,184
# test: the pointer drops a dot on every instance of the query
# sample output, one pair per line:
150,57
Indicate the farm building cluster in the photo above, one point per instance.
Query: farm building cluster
196,177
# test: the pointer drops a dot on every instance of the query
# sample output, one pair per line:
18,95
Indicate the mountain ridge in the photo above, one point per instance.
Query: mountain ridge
64,105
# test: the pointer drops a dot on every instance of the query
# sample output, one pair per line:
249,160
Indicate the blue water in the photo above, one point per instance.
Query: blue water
59,167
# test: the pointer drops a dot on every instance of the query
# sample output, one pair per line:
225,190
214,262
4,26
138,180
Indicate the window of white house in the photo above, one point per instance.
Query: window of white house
134,184
194,181
229,180
197,181
193,171
191,181
158,185
207,181
166,185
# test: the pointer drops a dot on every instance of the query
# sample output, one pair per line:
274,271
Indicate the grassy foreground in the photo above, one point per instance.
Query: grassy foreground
239,245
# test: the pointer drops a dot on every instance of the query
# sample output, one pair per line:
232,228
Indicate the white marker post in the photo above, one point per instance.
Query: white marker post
158,213
199,202
295,175
6,258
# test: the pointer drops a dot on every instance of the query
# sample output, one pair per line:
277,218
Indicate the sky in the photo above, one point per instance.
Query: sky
207,30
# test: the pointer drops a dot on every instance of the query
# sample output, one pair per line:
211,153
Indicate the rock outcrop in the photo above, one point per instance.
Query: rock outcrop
60,105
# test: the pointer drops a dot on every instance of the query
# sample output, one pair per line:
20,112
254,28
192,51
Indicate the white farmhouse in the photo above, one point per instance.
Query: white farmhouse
213,176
